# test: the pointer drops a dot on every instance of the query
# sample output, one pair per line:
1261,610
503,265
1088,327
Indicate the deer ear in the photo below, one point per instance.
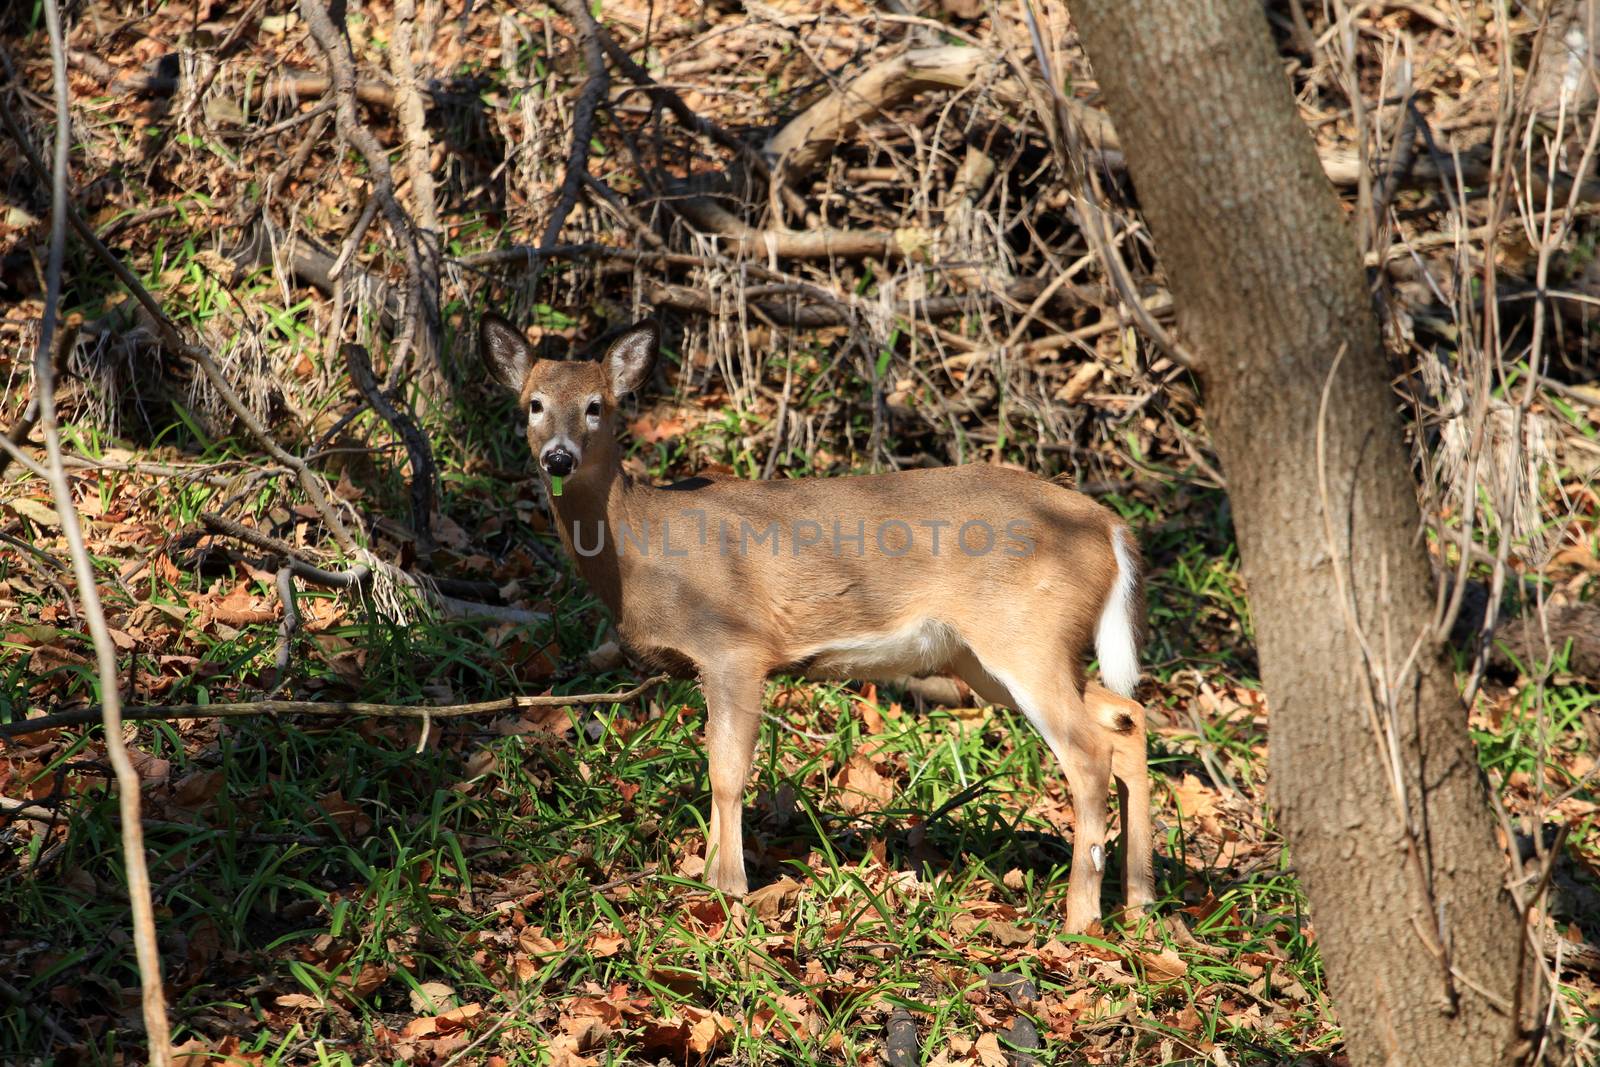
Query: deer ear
505,350
630,357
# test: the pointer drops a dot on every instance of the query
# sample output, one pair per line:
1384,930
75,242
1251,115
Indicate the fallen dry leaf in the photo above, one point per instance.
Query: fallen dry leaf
1195,799
987,1049
36,511
1163,966
366,981
432,997
707,1029
769,900
605,945
862,788
295,1000
350,820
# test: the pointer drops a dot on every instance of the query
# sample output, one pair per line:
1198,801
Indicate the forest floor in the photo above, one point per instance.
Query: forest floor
523,888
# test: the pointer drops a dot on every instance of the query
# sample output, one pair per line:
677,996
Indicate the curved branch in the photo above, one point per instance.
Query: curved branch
424,475
802,144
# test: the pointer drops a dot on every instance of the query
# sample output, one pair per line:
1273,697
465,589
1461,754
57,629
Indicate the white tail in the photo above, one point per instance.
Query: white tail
990,573
1116,638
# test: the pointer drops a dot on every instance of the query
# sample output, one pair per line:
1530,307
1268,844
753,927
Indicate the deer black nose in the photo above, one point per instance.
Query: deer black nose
559,462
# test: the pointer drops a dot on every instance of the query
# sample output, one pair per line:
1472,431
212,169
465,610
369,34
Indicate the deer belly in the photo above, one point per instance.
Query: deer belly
925,647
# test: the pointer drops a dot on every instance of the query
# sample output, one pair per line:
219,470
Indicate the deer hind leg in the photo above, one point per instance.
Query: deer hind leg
733,721
1055,705
1124,722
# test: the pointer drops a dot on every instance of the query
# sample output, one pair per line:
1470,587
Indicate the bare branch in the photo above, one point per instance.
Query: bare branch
146,951
422,326
287,86
424,475
335,709
589,97
822,243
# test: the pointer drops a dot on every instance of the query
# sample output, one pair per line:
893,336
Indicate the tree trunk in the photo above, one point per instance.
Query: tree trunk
1269,290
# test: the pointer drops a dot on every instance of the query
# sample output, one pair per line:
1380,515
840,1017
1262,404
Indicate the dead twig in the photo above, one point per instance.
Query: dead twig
286,629
740,238
829,309
109,714
420,328
292,565
306,258
424,474
289,86
333,709
595,86
32,1010
805,141
691,119
304,567
30,415
20,430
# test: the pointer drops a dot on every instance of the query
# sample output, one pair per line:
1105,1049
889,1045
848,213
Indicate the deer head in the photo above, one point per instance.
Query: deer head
569,403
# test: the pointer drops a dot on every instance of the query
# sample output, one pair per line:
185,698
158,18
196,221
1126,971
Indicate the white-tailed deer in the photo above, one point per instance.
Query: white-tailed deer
997,575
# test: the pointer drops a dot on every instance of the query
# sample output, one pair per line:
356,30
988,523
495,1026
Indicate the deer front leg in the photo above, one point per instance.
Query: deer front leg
733,721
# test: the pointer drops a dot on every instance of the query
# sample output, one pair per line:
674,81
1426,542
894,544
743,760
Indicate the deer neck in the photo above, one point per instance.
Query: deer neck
593,502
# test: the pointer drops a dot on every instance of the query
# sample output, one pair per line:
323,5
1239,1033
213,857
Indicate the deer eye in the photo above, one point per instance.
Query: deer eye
594,409
535,407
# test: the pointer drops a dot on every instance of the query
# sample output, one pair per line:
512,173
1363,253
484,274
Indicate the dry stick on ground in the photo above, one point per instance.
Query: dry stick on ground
357,576
284,582
306,258
20,430
279,87
424,474
421,329
293,565
197,98
829,308
146,951
26,1005
436,590
705,213
838,312
524,255
333,708
807,140
688,116
175,340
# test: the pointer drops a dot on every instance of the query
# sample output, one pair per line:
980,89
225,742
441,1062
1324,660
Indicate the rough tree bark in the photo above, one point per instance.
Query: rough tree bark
1421,952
